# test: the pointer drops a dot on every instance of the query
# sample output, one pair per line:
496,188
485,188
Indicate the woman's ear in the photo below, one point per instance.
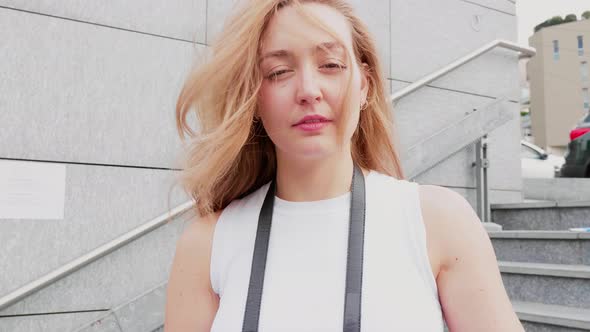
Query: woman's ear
364,82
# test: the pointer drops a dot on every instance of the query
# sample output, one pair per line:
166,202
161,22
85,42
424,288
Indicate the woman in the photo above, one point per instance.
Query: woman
290,104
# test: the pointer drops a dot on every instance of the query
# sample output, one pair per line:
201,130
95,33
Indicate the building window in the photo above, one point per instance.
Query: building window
584,70
580,45
556,50
586,97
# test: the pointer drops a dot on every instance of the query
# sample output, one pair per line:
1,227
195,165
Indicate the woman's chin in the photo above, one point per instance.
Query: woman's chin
316,148
315,152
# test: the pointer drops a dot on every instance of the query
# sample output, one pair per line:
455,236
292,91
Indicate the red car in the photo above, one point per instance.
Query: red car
582,128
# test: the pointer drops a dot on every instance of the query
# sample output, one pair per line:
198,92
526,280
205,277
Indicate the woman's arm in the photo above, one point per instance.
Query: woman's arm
470,287
191,304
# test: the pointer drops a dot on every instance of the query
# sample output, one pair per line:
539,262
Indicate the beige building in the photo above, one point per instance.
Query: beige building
559,82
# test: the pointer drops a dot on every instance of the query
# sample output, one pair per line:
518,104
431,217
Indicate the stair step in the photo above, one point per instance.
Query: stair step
556,189
577,318
542,215
544,269
526,204
547,283
551,247
533,204
539,234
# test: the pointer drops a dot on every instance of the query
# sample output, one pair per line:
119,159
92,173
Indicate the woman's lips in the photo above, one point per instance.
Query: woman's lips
313,125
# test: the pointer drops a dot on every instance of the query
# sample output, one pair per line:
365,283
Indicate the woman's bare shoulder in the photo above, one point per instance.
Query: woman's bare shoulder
193,247
469,282
194,244
191,303
198,231
441,211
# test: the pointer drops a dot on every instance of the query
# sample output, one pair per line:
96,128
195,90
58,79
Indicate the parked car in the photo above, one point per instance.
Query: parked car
577,155
536,163
581,128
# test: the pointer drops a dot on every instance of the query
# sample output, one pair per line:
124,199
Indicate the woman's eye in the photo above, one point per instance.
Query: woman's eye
276,74
334,66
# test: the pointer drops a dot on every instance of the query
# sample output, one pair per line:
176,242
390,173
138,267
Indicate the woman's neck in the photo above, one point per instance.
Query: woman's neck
312,180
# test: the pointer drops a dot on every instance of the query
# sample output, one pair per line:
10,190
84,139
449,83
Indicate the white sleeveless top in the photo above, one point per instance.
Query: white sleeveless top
304,281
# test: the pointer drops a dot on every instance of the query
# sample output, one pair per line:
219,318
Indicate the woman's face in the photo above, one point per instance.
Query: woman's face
302,93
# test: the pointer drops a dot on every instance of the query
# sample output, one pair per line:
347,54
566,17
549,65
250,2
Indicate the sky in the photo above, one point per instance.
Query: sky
532,12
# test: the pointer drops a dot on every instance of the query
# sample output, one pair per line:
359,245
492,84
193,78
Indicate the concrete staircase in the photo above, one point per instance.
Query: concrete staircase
545,267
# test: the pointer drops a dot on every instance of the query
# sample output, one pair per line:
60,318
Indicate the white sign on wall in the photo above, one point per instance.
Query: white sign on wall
32,190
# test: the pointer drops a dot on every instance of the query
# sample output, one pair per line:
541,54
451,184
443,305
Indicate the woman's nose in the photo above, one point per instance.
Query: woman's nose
308,90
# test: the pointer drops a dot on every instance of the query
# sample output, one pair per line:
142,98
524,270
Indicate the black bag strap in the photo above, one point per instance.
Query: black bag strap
354,265
252,313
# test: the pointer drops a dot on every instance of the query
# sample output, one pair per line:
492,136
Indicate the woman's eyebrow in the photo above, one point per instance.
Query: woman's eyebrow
330,46
322,47
276,54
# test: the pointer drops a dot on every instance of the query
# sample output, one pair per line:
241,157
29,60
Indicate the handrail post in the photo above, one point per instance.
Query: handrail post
482,164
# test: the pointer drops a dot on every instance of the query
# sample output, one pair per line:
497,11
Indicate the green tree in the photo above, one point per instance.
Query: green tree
570,18
555,20
542,25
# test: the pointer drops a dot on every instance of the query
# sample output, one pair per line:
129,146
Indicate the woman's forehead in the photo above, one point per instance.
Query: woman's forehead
289,30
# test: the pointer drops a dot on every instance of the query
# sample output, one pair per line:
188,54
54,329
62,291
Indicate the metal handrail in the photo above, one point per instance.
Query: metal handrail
92,256
157,222
481,160
526,52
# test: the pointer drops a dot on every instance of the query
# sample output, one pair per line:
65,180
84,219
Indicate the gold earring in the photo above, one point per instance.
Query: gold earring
364,105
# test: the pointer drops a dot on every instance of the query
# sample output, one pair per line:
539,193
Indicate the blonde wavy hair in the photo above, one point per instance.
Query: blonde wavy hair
230,155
